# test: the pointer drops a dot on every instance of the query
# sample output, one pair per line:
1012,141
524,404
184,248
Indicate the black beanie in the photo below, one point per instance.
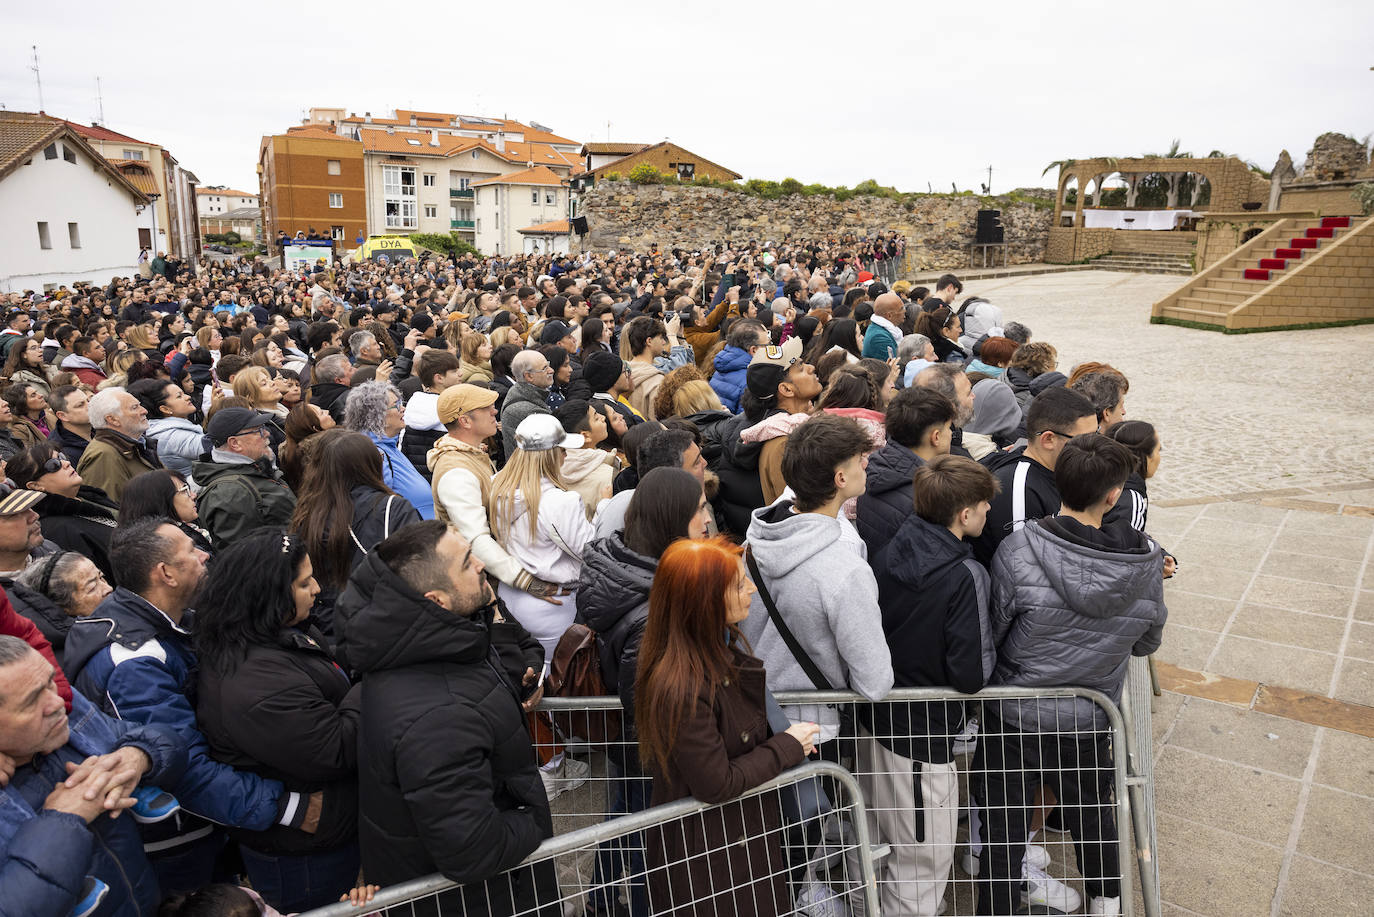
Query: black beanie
601,370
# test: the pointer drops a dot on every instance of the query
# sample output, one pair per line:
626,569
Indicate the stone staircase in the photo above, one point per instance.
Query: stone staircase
1145,252
1297,272
1142,263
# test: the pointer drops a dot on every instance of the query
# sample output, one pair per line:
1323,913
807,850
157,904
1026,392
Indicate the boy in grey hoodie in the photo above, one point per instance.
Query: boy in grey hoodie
817,576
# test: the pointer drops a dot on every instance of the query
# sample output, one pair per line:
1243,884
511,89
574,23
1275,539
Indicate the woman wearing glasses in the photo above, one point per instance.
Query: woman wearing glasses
164,494
75,516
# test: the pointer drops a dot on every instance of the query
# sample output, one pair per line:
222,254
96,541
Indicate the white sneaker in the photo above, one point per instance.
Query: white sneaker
967,739
1035,858
816,899
568,774
1106,906
1044,891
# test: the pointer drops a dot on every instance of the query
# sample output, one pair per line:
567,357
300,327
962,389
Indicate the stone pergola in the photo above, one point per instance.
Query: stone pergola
1232,183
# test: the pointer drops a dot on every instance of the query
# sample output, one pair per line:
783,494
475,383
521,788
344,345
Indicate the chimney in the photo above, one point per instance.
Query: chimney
391,129
501,141
412,120
433,138
367,116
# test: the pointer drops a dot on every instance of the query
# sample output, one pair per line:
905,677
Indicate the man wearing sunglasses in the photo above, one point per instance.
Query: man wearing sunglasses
241,486
1029,491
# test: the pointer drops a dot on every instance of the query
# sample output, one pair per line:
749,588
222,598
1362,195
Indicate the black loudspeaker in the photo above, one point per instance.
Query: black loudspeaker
989,228
579,225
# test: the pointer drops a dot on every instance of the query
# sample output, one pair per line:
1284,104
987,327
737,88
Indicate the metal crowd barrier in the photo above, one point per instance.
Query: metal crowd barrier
693,859
914,827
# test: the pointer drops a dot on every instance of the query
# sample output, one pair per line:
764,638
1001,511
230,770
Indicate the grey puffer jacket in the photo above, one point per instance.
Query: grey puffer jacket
522,400
1070,606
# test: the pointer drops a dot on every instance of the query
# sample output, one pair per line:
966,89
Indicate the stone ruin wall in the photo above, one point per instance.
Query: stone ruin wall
939,228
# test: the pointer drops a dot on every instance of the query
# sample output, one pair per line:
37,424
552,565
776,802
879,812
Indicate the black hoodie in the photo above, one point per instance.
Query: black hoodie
1028,492
741,491
886,501
447,776
934,600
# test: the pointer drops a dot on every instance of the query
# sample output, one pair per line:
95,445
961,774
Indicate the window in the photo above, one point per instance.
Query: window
335,200
475,153
498,219
453,212
67,153
534,196
334,167
550,197
686,170
50,151
74,235
145,238
431,211
477,197
44,240
428,180
412,142
464,183
336,233
133,154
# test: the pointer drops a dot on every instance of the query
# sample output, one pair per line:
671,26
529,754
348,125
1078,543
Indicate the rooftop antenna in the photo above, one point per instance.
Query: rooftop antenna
37,77
100,102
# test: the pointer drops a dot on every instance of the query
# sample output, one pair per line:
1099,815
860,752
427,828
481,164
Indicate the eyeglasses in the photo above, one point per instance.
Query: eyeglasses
184,489
260,431
1067,436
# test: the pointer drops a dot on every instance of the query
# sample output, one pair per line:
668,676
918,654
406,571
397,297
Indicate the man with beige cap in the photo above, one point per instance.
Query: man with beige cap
462,473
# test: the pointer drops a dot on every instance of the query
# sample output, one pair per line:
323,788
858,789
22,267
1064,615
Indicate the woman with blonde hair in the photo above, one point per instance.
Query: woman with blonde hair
254,384
141,337
506,334
209,339
117,367
541,524
475,364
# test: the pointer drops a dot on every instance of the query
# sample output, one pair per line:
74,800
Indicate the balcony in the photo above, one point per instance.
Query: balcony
462,224
464,195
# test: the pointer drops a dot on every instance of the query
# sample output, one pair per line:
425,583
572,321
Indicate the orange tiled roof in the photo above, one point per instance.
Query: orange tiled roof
539,175
22,134
138,174
541,154
612,149
557,227
96,132
415,144
313,132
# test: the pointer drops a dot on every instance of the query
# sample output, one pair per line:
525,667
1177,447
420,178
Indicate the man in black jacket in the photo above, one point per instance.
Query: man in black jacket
1028,491
918,423
330,388
448,778
934,599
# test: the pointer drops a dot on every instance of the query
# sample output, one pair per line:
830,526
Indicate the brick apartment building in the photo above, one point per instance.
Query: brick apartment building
311,178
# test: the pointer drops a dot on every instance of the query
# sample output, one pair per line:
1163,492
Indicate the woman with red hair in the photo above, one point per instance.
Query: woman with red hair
703,732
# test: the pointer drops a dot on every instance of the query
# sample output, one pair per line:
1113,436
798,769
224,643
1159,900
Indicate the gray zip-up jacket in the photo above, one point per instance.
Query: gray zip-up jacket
827,596
1070,606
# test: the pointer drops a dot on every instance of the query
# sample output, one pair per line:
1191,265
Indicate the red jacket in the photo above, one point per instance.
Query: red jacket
13,624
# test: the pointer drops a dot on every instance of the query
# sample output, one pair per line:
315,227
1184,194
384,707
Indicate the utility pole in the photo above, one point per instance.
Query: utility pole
100,101
989,179
37,77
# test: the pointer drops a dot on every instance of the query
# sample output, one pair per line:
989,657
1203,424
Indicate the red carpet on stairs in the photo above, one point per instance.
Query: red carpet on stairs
1321,232
1303,243
1255,273
1273,264
1335,222
1291,254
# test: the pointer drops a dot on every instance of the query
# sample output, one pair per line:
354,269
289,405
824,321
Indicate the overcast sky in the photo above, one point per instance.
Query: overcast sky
910,94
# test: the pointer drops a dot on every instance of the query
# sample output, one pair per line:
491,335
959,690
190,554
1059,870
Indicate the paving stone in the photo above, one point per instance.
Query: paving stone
1214,873
1163,710
1290,593
1333,571
1364,606
1294,628
1244,736
1331,822
1218,582
1273,664
1346,526
1248,513
1361,642
1356,683
1204,612
1199,554
1346,762
1319,544
1238,799
1186,647
1320,890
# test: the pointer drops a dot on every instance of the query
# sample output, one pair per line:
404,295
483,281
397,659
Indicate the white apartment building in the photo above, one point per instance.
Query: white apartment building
212,200
508,203
66,213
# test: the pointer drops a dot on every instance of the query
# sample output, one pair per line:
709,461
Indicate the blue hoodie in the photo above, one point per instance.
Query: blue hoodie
401,476
732,364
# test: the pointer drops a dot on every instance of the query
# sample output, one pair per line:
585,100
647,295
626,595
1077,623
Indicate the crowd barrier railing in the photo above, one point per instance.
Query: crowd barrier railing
927,807
754,855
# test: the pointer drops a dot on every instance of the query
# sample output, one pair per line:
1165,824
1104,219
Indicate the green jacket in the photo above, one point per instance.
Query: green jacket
236,499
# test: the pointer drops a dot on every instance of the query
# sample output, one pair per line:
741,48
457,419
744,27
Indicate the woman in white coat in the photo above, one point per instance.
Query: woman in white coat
541,524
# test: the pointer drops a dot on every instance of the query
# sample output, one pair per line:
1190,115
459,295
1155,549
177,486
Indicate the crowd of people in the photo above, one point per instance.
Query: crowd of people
287,557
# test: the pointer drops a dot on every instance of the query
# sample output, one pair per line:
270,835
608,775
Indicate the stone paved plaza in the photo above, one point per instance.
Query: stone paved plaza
1264,734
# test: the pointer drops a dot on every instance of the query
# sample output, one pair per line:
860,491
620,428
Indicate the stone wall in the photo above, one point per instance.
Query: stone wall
1333,157
939,228
1070,245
